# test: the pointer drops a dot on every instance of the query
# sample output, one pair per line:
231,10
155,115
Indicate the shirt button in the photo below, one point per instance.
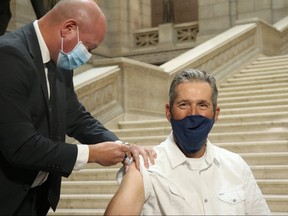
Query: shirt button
205,200
234,200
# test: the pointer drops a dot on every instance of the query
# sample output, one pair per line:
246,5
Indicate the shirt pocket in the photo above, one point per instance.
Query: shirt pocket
232,197
232,202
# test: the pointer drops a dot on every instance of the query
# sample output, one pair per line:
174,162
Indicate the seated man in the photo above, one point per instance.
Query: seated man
190,175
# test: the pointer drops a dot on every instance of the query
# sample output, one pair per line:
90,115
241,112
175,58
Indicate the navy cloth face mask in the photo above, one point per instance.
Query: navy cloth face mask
191,132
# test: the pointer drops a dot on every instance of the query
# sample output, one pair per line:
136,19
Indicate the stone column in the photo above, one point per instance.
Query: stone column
214,18
22,14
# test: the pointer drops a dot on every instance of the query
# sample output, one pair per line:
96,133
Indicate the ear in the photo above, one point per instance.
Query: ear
217,112
68,28
168,113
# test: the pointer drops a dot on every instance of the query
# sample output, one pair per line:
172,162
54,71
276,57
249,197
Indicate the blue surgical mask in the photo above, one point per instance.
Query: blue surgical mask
191,132
75,58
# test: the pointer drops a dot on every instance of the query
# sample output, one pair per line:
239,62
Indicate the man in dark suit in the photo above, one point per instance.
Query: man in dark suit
5,15
33,158
40,7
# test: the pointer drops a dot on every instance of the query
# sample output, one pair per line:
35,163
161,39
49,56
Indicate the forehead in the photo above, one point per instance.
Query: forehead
194,90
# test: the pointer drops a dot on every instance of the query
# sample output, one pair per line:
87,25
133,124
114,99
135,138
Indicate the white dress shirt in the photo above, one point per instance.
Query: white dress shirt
219,183
83,150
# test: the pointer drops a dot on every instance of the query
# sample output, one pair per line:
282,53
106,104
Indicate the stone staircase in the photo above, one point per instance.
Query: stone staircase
253,122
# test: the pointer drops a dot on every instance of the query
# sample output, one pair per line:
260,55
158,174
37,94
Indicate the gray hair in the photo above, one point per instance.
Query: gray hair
190,75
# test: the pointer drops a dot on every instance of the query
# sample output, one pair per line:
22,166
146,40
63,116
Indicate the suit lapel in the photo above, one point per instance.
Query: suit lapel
34,49
35,53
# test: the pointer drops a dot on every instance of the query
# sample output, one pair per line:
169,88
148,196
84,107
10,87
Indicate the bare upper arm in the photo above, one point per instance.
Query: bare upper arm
129,198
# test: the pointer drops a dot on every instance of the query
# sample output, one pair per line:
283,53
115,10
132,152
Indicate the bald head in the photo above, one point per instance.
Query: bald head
68,17
83,11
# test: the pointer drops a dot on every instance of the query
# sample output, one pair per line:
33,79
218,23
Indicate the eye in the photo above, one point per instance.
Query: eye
203,105
183,105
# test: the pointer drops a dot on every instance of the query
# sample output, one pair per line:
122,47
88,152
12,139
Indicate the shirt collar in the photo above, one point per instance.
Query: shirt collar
43,47
174,154
176,157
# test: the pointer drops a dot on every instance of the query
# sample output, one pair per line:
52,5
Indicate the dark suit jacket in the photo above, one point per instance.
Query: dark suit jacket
25,147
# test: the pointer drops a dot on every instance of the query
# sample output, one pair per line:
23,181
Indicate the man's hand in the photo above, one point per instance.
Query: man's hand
148,154
111,153
107,153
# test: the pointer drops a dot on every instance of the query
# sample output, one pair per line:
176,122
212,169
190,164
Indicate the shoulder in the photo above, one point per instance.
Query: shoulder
14,47
226,157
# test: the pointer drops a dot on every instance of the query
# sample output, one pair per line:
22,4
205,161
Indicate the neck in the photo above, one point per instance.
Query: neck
197,154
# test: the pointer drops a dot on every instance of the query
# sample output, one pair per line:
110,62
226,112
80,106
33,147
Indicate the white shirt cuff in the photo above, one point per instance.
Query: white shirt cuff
82,157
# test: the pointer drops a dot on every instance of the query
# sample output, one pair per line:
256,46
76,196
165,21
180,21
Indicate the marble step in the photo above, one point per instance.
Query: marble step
89,201
261,71
273,186
261,68
94,174
255,109
143,124
279,134
260,76
272,58
253,117
98,166
249,92
143,131
273,158
256,146
89,187
266,61
224,87
277,202
252,83
253,97
252,104
268,64
270,171
250,126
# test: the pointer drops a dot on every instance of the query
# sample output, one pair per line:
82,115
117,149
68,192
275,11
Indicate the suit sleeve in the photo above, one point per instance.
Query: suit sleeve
80,124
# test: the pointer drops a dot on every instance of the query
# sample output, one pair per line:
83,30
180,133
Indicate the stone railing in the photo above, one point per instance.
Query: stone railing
240,45
186,32
133,88
166,33
146,37
282,28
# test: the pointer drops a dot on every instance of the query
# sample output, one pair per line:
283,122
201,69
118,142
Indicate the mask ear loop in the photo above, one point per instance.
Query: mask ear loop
62,39
78,33
62,44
